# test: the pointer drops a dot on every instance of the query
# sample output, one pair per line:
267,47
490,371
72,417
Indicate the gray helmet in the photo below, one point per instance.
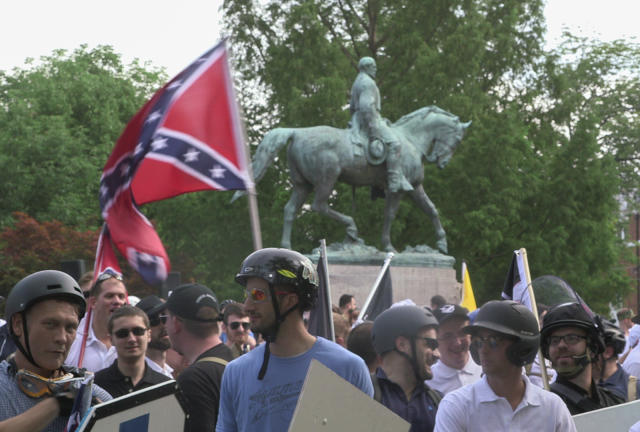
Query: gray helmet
41,286
397,321
283,267
614,337
511,319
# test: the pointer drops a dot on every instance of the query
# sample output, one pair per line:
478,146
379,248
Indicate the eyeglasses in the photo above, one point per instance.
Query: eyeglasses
156,320
234,325
569,339
123,333
493,341
431,343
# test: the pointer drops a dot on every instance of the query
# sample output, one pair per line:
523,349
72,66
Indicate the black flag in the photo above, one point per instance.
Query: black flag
382,298
321,317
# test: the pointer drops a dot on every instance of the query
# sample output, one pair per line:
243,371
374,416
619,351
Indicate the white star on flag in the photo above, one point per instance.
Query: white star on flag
153,116
159,143
217,171
124,169
191,155
174,85
139,148
103,190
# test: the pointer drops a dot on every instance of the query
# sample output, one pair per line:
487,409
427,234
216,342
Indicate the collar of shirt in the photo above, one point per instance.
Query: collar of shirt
487,395
446,372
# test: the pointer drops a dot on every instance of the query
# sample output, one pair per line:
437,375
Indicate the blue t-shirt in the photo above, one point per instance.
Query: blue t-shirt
14,401
618,383
248,404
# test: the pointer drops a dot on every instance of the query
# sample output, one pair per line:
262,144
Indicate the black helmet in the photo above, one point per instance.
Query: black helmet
512,319
40,286
283,267
399,321
571,315
614,337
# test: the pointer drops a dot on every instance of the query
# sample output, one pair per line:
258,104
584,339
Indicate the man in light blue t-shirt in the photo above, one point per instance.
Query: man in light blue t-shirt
260,389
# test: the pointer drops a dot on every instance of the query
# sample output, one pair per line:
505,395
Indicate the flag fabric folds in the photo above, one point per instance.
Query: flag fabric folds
468,299
382,298
515,285
321,316
187,138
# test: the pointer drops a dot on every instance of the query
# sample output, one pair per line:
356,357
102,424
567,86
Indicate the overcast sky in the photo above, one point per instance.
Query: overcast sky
174,33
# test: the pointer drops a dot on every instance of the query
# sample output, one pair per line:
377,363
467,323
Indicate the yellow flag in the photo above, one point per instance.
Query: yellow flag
468,300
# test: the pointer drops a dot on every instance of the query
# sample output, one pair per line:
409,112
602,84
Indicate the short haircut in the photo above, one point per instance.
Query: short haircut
127,311
438,301
86,278
345,299
359,342
624,313
97,287
340,325
200,329
233,309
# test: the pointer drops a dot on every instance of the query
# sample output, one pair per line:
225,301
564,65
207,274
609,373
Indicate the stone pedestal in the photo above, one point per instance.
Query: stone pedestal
416,273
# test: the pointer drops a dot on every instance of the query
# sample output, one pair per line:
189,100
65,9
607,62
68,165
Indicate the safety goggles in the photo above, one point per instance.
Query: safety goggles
157,320
35,386
124,332
258,295
492,341
431,343
236,324
569,339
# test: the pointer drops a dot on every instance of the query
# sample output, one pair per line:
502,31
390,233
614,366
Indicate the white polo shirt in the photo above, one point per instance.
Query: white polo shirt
96,354
477,408
447,379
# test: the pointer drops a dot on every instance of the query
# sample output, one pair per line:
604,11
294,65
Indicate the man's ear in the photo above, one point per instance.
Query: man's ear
16,323
402,344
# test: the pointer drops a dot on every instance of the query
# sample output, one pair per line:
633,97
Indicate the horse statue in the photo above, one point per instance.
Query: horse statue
320,156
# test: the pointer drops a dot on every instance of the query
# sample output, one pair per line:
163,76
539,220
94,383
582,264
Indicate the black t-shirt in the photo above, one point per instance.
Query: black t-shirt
200,385
578,400
117,384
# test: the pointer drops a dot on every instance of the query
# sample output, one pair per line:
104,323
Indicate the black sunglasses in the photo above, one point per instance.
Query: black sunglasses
123,333
234,325
156,320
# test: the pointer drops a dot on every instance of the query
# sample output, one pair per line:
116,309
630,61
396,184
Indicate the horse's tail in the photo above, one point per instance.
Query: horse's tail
267,151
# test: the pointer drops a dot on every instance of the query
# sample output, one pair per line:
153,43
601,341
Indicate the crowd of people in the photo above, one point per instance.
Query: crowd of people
241,366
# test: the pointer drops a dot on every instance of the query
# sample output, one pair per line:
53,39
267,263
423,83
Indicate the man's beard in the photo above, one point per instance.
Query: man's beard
160,344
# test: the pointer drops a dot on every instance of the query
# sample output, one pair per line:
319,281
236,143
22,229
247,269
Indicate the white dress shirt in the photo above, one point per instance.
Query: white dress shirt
446,379
96,354
167,370
477,408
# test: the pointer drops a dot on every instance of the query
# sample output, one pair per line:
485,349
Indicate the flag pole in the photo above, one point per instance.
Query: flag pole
254,217
323,257
534,309
376,284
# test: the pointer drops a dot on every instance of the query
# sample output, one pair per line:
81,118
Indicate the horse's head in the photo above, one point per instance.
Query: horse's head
446,138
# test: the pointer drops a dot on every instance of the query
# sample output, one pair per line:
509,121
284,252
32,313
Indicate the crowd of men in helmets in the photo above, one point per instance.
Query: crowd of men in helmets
433,366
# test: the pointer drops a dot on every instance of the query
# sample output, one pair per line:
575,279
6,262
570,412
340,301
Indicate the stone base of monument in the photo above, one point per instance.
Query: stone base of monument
417,273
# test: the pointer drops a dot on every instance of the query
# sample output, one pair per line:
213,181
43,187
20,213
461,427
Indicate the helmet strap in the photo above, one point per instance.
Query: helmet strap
581,362
272,333
26,352
413,361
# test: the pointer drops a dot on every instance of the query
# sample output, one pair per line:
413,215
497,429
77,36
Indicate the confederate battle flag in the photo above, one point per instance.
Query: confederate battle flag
187,138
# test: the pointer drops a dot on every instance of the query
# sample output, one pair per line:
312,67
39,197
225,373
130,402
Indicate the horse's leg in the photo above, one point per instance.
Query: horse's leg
422,200
321,205
391,208
299,194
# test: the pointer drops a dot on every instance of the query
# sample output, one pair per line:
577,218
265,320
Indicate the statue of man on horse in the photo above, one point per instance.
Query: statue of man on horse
320,156
367,122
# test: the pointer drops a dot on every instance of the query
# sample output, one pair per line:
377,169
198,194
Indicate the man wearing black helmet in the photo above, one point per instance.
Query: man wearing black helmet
573,341
404,337
260,389
43,311
610,374
504,337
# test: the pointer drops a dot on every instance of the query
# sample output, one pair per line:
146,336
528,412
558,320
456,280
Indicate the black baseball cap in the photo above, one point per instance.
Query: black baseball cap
151,305
449,311
194,302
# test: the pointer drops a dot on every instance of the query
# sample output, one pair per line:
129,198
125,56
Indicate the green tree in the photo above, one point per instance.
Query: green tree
536,169
59,120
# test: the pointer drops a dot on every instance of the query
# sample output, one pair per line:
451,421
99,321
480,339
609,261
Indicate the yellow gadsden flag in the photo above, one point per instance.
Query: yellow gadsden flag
468,300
